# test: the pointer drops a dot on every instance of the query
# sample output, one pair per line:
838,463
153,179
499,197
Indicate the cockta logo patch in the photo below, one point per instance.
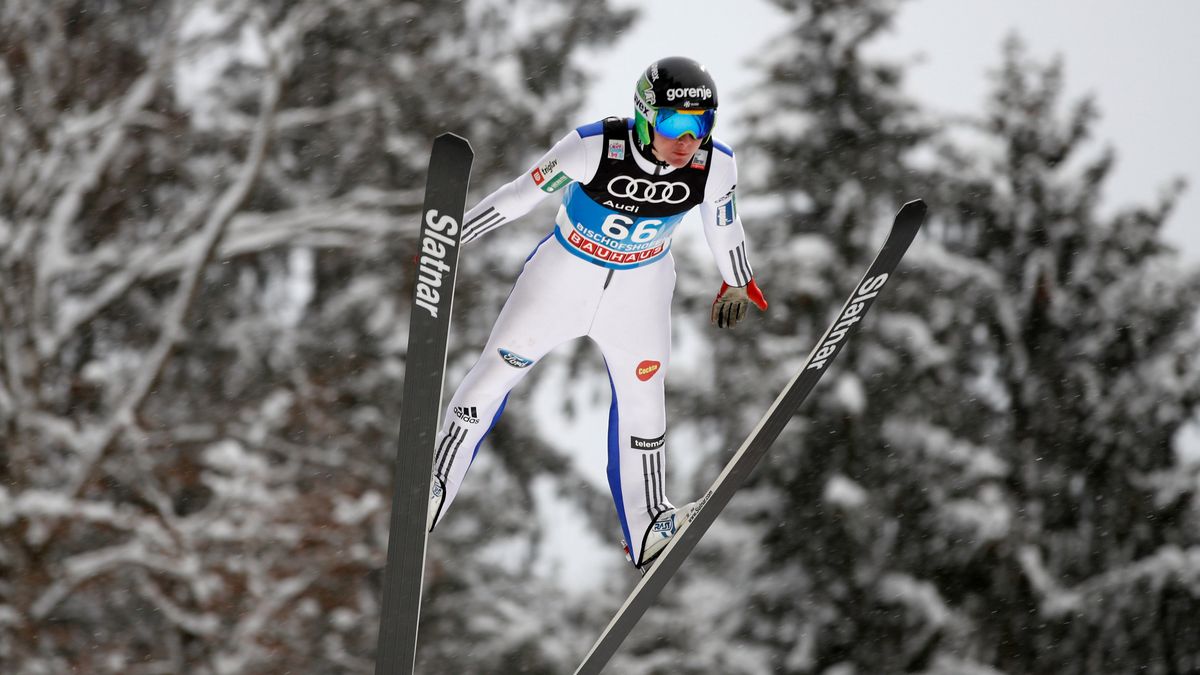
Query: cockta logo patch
647,369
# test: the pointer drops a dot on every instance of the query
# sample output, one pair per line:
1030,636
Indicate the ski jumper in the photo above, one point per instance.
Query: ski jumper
605,272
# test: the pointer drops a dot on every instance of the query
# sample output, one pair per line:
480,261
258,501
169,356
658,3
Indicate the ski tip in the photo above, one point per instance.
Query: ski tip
449,138
916,206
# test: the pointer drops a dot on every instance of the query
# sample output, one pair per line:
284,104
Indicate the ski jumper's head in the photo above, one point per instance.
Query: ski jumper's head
675,109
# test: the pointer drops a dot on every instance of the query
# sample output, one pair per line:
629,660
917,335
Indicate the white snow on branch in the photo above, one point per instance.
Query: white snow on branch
938,443
54,256
844,492
849,392
206,623
914,333
80,568
920,596
353,512
246,647
173,323
985,516
1169,563
354,221
40,505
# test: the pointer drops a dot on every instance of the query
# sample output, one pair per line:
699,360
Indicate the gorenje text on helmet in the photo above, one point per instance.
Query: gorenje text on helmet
689,92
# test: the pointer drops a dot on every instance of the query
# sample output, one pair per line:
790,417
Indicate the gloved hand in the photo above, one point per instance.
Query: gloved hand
730,305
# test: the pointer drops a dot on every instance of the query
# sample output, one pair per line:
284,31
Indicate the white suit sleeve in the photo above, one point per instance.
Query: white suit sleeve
722,224
567,161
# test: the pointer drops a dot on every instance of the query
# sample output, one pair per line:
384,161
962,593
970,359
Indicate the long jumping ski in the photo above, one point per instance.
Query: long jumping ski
424,372
904,229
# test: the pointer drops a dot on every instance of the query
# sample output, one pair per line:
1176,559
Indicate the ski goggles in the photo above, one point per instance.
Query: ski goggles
678,123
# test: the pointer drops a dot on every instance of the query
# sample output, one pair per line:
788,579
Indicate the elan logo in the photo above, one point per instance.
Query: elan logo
647,369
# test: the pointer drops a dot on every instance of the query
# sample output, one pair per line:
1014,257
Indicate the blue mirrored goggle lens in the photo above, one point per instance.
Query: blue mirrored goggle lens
677,123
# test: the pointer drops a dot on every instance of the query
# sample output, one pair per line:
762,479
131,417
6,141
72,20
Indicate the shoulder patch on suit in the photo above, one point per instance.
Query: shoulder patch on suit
593,129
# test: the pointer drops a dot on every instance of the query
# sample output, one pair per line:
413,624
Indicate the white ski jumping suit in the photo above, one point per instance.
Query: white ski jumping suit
606,272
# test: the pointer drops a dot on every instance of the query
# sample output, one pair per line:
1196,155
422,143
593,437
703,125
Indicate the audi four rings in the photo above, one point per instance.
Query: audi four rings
653,192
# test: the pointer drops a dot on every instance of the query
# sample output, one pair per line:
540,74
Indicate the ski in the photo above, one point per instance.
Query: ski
428,330
735,473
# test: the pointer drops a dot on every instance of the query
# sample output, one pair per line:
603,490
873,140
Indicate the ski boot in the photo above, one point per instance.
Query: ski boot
661,530
437,495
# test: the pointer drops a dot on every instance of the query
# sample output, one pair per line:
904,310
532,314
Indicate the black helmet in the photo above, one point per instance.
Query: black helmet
671,85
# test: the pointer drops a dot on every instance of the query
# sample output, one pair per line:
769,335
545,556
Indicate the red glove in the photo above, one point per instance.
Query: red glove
730,305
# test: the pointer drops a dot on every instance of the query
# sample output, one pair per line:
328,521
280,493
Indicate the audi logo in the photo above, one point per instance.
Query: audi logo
653,192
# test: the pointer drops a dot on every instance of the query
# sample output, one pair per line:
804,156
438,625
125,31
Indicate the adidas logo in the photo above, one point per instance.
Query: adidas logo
469,415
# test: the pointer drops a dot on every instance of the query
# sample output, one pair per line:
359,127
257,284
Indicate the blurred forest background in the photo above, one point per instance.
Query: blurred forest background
207,213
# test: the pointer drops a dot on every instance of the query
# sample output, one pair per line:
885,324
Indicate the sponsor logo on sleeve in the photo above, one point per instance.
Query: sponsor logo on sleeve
700,159
556,183
726,213
548,177
514,359
616,149
647,369
727,197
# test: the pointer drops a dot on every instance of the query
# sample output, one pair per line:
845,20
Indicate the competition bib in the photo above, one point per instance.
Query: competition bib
614,239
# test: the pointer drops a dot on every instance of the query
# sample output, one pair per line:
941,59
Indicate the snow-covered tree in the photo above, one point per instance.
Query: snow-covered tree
988,479
206,211
1066,511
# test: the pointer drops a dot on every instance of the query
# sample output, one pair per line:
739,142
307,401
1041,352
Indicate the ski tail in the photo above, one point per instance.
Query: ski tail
429,328
734,475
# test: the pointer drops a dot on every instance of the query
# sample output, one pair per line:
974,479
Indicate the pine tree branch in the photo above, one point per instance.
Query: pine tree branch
1055,601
